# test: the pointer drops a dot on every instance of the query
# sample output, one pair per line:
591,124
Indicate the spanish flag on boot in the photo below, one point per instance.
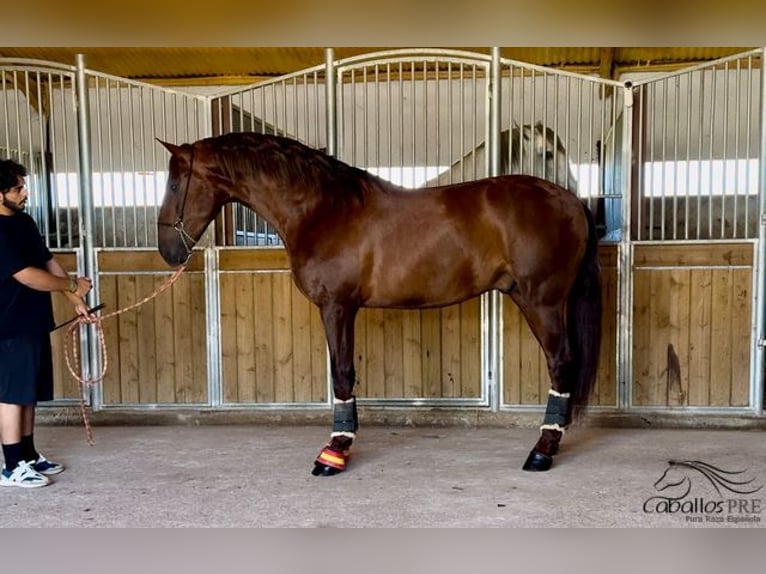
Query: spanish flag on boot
333,458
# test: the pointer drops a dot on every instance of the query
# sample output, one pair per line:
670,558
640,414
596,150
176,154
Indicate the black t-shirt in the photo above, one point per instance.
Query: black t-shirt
23,311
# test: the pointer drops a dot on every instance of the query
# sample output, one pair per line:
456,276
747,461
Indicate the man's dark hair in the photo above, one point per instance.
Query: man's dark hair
10,172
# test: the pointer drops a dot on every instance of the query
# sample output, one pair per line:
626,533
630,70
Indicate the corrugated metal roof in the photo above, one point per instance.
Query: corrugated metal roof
243,64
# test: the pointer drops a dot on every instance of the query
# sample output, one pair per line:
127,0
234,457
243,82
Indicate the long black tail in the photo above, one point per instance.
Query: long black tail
584,321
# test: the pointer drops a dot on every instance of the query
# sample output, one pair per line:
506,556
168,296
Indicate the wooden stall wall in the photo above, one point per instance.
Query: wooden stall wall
525,374
273,343
432,353
156,354
65,386
274,348
692,324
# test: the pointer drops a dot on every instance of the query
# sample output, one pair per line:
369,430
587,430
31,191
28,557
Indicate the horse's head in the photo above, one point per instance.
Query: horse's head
544,150
195,192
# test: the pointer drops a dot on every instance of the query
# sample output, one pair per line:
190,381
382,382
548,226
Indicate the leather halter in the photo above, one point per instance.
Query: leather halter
187,240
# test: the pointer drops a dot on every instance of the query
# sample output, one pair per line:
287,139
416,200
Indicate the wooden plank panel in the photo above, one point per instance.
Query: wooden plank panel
642,332
720,332
183,347
431,352
166,363
393,349
301,339
65,386
741,336
263,259
197,388
605,391
470,348
111,391
147,355
143,261
360,354
656,389
512,319
229,354
319,373
375,353
677,350
257,345
705,254
531,371
128,341
450,336
700,352
705,315
412,354
283,338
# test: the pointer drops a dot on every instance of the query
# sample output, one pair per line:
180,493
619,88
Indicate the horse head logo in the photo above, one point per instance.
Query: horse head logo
676,481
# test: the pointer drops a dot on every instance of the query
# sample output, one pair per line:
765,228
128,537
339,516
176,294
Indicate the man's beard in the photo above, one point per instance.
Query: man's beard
15,207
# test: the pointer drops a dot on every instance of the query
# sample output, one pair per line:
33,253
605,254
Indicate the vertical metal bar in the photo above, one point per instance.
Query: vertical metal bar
736,162
91,356
711,153
492,305
414,120
725,150
352,123
332,149
625,262
426,109
494,110
687,199
748,151
65,141
213,322
757,374
648,131
437,109
330,105
674,218
663,160
698,218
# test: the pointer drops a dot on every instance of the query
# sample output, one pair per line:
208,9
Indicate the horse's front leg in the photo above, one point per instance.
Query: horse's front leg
338,323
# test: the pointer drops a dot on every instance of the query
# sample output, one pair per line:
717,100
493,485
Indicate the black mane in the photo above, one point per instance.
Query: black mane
293,163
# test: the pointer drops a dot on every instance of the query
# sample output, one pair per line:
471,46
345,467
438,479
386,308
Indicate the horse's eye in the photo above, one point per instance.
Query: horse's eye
173,187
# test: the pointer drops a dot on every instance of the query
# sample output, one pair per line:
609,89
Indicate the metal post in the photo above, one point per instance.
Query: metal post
492,303
332,145
91,359
757,377
330,103
625,259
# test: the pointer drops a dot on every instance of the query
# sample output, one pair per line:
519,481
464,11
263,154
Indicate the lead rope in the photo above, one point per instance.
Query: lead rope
72,357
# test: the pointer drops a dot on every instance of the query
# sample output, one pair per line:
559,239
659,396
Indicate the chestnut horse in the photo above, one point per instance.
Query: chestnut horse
355,240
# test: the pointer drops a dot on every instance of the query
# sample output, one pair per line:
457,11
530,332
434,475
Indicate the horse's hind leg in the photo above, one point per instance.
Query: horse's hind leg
338,323
548,325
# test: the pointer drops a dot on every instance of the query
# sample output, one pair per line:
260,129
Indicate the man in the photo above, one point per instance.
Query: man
28,274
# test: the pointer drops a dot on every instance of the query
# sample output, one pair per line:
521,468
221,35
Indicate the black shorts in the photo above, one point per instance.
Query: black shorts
26,370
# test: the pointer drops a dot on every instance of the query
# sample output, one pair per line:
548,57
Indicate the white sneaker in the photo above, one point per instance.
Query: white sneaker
46,467
24,475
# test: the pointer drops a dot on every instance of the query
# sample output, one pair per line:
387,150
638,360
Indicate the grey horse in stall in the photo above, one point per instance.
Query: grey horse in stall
530,149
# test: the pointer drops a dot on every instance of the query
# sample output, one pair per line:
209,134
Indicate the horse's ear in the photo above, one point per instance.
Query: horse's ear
172,148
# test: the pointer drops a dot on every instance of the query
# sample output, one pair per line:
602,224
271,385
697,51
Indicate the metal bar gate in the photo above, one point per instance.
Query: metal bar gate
671,164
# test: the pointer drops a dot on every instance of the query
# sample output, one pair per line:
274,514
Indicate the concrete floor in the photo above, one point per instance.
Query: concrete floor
259,476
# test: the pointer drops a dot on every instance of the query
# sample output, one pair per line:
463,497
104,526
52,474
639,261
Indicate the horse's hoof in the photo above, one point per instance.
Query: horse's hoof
330,462
324,470
538,462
